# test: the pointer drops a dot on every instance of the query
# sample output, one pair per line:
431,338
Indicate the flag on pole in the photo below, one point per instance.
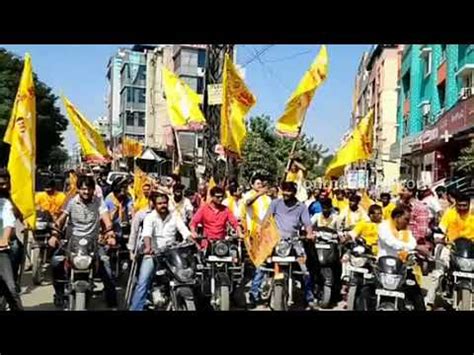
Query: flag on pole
131,148
358,147
237,100
21,136
92,144
288,125
210,186
183,103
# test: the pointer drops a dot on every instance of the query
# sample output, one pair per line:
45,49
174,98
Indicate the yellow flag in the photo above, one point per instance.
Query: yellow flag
212,184
131,147
183,103
237,100
92,144
21,136
260,245
289,124
358,147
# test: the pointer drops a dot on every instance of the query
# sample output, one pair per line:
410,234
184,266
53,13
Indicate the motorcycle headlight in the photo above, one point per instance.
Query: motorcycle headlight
466,265
283,249
82,262
185,274
221,249
358,261
389,281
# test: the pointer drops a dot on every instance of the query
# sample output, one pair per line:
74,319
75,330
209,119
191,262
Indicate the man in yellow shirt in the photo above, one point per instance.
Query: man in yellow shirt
339,201
143,201
457,222
50,200
368,230
296,175
387,205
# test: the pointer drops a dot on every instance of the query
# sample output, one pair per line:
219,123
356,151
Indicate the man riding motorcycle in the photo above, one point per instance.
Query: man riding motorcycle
395,239
214,217
84,212
50,200
289,214
457,222
120,206
159,228
351,215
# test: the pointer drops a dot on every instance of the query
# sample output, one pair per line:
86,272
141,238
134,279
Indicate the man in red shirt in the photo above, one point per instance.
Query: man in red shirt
419,217
214,217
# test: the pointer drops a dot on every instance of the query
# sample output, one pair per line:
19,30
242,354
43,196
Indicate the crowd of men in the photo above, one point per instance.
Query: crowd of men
165,210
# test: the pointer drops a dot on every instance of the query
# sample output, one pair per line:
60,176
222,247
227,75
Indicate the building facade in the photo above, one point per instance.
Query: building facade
376,88
435,110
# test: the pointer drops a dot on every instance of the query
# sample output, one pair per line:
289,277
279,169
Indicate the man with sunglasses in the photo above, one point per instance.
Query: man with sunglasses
214,217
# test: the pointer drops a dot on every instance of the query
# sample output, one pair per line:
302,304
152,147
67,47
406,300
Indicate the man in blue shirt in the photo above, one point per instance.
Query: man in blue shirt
290,215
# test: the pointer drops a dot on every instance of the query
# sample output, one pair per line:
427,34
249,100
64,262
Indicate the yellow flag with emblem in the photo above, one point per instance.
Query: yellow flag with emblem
358,147
237,100
182,102
21,136
260,244
288,125
92,143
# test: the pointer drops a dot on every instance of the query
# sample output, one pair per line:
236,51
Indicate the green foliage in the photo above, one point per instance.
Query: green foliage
264,151
50,122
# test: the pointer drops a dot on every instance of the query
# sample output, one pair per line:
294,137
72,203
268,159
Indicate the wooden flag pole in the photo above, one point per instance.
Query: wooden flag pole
293,148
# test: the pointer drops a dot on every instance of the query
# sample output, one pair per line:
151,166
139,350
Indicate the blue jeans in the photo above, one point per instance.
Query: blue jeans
258,279
145,278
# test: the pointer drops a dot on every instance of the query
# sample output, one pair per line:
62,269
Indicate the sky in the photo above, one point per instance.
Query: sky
79,72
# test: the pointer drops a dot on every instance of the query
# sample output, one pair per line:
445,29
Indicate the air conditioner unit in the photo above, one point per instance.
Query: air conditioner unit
200,71
425,109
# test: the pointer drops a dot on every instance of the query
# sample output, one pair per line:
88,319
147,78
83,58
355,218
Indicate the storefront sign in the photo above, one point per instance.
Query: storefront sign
459,118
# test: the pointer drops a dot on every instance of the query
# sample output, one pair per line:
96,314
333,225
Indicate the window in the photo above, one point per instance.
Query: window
129,94
130,119
443,52
442,94
141,97
200,85
405,127
142,73
427,64
141,119
201,58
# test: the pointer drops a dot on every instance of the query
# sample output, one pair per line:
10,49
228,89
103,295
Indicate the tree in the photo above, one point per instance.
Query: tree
50,122
264,151
465,162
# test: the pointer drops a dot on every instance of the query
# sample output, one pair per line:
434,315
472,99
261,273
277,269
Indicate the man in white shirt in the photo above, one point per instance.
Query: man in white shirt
180,204
395,237
159,229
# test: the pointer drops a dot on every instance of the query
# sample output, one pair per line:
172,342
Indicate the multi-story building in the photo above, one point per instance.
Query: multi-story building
435,110
376,88
102,124
114,67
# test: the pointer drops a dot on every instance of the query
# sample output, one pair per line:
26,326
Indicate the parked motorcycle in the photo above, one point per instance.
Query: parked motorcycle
39,246
221,271
395,282
361,260
328,252
175,279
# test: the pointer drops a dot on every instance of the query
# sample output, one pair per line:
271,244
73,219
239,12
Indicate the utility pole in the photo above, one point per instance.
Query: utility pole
214,70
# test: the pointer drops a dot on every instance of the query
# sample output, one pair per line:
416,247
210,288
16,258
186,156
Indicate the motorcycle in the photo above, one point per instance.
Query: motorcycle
458,280
175,279
393,283
328,254
80,256
361,259
222,266
279,275
39,246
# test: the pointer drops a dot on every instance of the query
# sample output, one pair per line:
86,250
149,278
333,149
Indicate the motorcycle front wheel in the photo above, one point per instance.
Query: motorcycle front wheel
80,301
351,298
279,299
224,298
36,266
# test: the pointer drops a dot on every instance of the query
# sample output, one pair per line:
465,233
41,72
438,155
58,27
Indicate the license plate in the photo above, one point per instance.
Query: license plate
358,269
381,292
225,259
323,246
368,276
466,275
279,259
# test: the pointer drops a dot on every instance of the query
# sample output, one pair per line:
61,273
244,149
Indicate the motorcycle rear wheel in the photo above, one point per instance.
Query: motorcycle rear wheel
465,301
